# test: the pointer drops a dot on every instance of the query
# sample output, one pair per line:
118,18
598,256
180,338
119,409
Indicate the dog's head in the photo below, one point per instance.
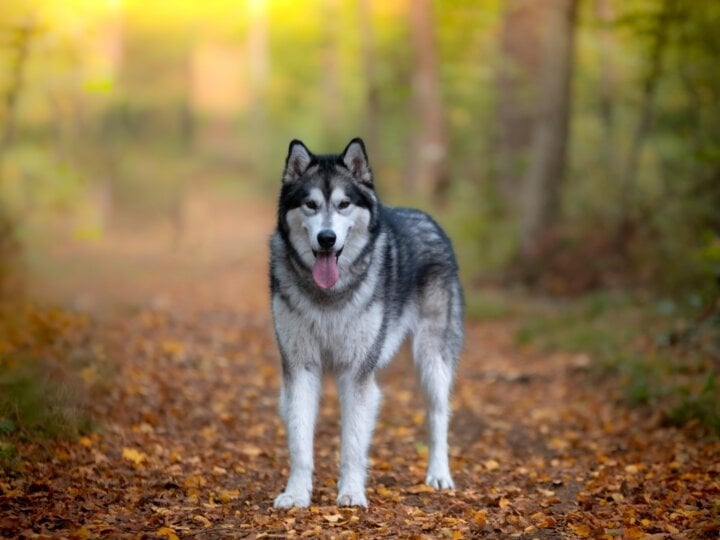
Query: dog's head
327,203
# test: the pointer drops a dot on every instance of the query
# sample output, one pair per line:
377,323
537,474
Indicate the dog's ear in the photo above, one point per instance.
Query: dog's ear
355,158
297,161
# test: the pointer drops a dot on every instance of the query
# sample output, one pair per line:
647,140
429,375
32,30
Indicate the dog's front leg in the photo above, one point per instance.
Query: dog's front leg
299,399
359,401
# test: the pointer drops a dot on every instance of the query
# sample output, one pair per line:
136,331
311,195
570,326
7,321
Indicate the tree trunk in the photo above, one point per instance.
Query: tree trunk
544,179
112,44
605,12
372,93
258,51
427,171
332,99
518,76
21,40
645,121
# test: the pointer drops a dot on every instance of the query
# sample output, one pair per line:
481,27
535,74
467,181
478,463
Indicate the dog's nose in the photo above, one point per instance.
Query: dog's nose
326,238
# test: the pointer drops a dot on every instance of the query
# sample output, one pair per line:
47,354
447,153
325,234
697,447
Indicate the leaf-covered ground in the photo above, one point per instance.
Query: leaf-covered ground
189,444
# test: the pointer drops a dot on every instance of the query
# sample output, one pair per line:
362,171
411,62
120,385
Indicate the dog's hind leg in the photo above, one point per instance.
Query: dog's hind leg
436,378
299,399
359,403
436,345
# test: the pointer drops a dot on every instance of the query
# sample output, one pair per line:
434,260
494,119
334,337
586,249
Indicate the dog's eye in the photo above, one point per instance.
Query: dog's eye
343,204
311,205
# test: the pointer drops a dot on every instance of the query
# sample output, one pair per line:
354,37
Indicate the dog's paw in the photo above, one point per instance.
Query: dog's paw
292,500
440,481
356,498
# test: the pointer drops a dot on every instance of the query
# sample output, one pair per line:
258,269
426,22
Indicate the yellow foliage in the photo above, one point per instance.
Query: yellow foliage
168,533
134,456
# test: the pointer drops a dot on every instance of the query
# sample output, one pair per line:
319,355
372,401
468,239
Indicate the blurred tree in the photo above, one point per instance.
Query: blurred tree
518,74
258,59
427,166
605,13
544,178
371,129
113,120
330,87
20,39
683,221
661,26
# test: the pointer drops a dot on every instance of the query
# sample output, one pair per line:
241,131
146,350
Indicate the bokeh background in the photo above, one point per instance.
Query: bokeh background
570,147
575,144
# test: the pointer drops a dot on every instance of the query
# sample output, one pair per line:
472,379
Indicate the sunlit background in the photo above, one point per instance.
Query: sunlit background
130,116
570,148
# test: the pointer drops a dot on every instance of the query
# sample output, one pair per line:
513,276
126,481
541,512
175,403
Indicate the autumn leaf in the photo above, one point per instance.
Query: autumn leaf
173,347
580,529
81,532
194,480
251,450
227,495
85,441
421,488
167,532
480,518
633,533
205,522
133,456
89,374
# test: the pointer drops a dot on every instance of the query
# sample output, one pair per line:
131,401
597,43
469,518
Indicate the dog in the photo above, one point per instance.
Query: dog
350,278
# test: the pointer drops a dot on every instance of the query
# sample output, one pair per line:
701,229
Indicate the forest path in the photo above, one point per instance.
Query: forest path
190,443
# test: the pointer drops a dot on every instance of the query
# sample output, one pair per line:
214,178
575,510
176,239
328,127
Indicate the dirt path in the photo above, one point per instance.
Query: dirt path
190,443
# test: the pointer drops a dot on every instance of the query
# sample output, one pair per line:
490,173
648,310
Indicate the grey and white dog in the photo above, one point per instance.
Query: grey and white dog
350,278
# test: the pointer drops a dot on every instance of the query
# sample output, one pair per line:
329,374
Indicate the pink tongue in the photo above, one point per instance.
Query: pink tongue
325,271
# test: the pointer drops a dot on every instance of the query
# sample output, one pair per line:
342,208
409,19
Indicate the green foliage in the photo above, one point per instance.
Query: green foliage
660,381
702,405
482,237
600,325
47,375
35,181
489,305
657,365
10,258
31,405
8,454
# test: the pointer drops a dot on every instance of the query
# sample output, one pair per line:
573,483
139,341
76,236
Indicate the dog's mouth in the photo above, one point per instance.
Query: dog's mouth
325,270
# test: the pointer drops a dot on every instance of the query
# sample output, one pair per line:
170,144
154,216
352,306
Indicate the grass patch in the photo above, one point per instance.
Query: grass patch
490,304
663,356
662,381
35,405
47,375
600,325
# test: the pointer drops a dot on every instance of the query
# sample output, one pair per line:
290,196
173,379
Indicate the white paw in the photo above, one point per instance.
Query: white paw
439,481
291,500
356,498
